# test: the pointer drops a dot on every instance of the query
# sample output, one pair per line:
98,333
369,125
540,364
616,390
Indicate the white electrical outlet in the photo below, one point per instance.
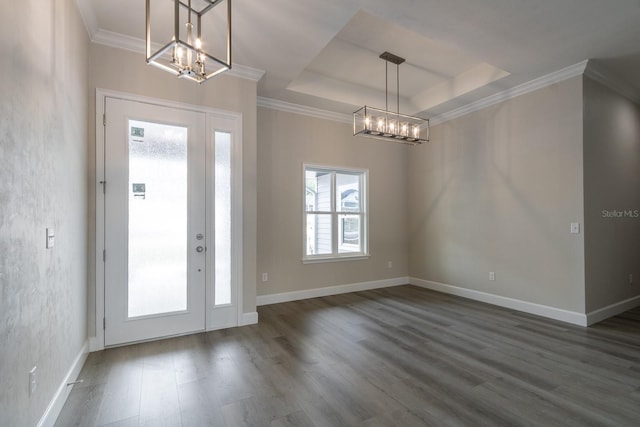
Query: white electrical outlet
33,380
265,277
492,275
389,264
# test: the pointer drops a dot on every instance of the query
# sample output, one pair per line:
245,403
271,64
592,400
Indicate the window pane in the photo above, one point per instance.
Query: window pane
157,264
347,192
222,232
318,191
349,234
319,241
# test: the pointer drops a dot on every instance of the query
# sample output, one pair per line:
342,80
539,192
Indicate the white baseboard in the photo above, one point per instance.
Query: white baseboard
329,290
249,319
572,317
612,310
50,416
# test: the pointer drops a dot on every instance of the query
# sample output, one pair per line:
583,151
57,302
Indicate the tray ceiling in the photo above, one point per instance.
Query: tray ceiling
325,54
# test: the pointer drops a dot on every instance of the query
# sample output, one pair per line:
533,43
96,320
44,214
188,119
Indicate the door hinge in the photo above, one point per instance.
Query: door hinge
104,187
104,119
104,323
104,255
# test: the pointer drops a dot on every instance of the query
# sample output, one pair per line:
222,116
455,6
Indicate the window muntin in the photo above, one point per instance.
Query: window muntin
335,215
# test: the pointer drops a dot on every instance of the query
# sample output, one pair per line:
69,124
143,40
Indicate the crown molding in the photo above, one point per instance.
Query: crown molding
603,76
245,72
136,45
88,15
588,68
539,83
120,41
288,107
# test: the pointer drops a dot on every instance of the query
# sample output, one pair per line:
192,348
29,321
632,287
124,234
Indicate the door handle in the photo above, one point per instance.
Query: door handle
199,249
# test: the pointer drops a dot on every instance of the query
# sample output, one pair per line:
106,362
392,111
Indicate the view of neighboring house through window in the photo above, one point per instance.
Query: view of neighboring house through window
335,219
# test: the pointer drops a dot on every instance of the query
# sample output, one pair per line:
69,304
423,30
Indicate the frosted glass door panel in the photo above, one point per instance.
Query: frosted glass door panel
222,194
158,208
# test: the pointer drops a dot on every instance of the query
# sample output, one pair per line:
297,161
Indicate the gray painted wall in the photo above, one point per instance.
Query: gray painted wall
43,153
107,71
612,183
286,141
496,190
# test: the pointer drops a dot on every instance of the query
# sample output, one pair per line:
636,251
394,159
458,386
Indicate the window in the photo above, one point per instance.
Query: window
335,222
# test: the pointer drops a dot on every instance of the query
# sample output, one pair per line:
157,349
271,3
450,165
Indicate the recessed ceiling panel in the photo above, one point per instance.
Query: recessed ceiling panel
432,74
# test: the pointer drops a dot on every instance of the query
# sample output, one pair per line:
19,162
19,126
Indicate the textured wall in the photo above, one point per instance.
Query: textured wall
286,141
612,184
43,158
496,190
225,92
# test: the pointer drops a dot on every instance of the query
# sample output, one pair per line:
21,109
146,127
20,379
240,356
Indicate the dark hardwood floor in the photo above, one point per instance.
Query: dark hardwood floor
400,356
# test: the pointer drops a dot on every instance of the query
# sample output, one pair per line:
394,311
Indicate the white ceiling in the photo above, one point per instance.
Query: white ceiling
324,54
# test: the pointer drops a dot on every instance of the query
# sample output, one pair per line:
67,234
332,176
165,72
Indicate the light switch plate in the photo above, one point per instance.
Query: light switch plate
575,228
50,238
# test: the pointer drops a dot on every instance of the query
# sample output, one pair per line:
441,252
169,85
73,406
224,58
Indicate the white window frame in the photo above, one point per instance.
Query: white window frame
335,214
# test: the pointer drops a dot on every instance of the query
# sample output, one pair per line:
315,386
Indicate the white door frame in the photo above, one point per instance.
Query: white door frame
97,342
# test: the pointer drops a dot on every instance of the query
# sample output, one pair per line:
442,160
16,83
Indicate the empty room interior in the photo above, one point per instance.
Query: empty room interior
303,213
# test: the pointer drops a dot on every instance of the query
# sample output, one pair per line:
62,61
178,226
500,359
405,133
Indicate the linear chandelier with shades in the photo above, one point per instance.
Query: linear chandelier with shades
186,54
388,125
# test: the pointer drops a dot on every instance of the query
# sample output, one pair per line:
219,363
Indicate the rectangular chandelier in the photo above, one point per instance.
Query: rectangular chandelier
188,53
388,125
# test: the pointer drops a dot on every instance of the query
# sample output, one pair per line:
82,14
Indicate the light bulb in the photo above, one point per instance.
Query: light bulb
404,129
189,41
380,127
179,54
416,131
198,44
392,126
367,122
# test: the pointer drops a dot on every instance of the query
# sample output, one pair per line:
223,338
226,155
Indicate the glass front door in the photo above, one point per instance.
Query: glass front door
155,221
172,260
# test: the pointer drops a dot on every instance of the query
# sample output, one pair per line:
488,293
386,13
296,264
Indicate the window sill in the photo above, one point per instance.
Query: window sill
320,259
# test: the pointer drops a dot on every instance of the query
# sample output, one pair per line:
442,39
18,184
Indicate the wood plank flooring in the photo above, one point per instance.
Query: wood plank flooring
400,356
